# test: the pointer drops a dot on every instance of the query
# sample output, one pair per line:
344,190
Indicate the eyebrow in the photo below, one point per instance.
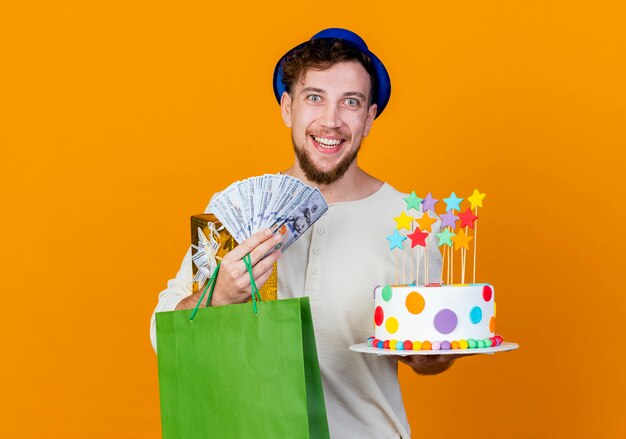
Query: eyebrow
323,92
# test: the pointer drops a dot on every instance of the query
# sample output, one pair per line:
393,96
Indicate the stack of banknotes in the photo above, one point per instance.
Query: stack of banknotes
277,202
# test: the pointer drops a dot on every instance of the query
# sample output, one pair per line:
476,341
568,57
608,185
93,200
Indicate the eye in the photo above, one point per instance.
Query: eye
352,102
314,98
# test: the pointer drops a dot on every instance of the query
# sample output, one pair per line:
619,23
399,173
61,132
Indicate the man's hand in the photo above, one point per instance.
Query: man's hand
430,364
233,280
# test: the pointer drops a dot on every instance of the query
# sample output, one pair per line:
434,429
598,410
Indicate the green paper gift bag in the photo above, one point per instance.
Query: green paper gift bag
240,371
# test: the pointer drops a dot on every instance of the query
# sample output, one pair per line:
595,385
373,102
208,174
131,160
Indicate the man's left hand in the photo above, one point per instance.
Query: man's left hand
430,364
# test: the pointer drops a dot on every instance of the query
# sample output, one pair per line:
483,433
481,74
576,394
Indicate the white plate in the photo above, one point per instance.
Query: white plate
505,346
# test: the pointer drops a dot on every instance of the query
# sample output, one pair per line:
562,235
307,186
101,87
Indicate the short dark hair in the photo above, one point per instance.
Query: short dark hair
321,54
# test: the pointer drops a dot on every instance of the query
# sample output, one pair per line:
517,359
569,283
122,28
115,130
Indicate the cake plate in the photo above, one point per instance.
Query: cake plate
505,346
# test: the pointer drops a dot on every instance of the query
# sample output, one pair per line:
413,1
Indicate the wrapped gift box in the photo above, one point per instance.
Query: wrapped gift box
210,241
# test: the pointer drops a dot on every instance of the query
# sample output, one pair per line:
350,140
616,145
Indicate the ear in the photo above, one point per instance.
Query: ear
285,108
371,115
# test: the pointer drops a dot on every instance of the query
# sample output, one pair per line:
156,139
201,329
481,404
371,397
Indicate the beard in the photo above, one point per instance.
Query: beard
320,177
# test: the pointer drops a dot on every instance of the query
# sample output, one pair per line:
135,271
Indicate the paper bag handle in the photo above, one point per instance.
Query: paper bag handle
256,297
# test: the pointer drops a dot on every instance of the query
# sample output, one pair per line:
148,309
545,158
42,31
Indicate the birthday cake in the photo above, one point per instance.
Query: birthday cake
436,316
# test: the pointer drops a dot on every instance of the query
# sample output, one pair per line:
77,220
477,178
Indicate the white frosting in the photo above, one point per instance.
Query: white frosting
465,301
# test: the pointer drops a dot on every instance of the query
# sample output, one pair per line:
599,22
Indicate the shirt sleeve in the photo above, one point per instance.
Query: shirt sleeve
177,289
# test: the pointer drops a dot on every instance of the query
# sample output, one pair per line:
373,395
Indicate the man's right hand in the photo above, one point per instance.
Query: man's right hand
233,280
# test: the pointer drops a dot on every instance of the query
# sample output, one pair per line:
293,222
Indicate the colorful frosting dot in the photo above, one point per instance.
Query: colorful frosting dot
463,344
445,345
417,345
391,325
498,340
400,346
476,315
487,293
455,345
369,341
408,346
379,316
492,325
480,343
436,346
380,344
488,342
387,293
427,346
471,343
415,302
392,344
386,344
445,321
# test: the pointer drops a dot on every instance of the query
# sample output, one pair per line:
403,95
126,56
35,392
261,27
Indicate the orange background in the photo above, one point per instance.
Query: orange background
118,120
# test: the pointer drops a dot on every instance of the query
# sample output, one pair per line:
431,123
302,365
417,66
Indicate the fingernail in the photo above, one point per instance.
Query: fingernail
268,232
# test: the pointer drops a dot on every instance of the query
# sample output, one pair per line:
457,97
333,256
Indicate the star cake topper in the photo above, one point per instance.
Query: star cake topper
396,240
452,202
467,218
413,202
418,238
404,221
425,222
448,219
429,203
461,239
445,237
476,199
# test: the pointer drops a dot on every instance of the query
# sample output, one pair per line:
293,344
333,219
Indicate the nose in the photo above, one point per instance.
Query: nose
330,117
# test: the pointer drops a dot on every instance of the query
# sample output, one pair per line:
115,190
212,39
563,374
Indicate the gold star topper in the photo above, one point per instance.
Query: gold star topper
476,199
404,221
425,222
461,239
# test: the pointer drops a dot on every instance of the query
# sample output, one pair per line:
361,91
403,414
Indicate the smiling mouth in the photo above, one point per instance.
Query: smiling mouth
327,143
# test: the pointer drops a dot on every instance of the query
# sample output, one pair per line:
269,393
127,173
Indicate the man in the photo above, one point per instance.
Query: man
330,90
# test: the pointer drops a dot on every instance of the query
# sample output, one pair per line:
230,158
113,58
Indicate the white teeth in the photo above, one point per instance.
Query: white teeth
329,143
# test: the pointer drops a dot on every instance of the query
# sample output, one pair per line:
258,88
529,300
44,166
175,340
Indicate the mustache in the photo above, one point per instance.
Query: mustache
336,133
